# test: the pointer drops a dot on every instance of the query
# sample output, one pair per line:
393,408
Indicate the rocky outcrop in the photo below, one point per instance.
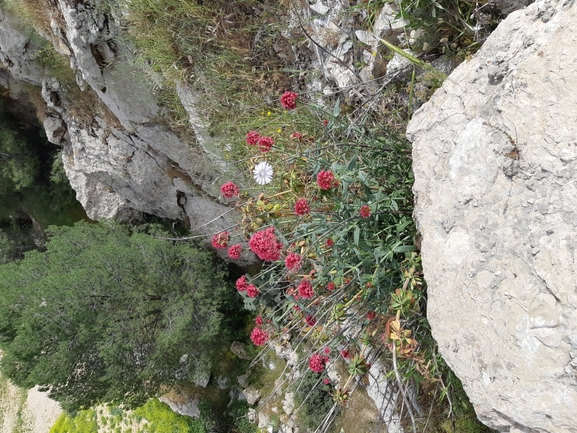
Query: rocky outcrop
119,156
495,163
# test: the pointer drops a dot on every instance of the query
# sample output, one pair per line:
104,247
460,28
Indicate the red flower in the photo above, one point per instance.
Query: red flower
318,362
327,350
302,207
266,245
345,353
252,291
234,251
325,122
365,211
296,308
326,381
252,137
258,320
330,243
220,240
241,284
229,190
331,286
265,144
293,262
296,136
306,289
371,315
326,180
258,337
288,100
310,320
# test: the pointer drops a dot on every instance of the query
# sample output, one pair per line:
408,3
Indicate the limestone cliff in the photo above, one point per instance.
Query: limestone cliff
120,158
495,159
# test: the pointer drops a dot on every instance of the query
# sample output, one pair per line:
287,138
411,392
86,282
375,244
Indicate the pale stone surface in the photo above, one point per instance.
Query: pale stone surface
385,395
495,163
187,407
26,411
252,395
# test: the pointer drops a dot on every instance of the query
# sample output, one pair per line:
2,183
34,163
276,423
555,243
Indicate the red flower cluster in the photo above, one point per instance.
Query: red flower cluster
266,245
220,240
296,136
305,289
345,353
241,284
310,320
265,144
252,291
293,262
258,320
331,286
371,315
318,362
326,180
252,137
258,337
302,207
229,190
330,243
288,100
365,211
235,251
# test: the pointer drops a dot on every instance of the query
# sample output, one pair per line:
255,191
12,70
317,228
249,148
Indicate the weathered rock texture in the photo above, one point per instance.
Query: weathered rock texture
118,154
495,162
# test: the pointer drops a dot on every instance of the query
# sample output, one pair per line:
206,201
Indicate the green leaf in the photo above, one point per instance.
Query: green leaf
404,248
337,109
357,235
352,163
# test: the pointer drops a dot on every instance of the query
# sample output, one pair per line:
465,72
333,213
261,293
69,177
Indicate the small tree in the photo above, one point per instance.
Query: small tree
106,315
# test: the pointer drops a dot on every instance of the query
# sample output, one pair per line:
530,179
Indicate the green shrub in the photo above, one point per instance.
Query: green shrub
161,419
314,399
83,422
101,300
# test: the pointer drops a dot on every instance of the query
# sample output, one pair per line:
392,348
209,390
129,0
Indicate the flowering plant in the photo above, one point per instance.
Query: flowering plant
289,100
220,240
347,242
266,245
229,190
235,251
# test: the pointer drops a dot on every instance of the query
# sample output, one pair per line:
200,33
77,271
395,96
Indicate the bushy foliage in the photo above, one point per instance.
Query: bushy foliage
161,419
152,417
104,315
18,163
83,422
342,278
314,398
450,26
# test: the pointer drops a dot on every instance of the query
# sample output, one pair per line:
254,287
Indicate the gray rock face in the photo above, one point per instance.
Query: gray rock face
119,157
495,162
187,407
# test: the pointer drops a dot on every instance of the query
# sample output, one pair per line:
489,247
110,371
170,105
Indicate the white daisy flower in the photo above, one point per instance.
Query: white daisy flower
263,173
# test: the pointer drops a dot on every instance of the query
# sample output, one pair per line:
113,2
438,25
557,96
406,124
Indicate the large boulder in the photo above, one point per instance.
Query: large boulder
495,163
